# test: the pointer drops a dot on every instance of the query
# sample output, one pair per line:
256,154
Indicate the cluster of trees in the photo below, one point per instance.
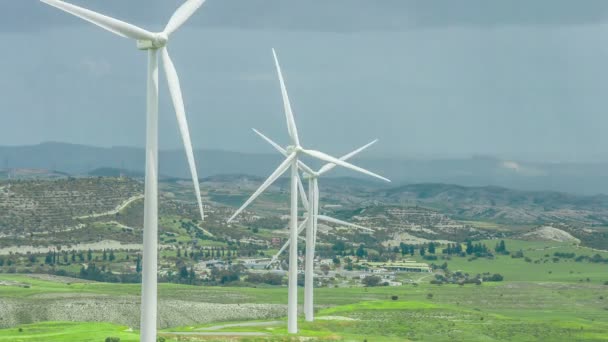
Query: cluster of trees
461,278
226,275
501,248
340,248
103,273
209,253
453,249
478,249
595,258
265,278
66,258
371,281
8,261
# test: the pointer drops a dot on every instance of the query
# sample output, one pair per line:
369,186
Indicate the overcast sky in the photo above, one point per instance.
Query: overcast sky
524,79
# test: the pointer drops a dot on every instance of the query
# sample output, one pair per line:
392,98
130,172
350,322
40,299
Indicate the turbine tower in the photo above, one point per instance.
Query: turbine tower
152,42
293,152
310,222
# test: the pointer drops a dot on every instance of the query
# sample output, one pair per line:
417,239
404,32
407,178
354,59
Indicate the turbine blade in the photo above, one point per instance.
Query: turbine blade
291,123
268,140
183,13
303,194
330,159
340,222
330,166
305,168
300,229
180,114
115,26
273,177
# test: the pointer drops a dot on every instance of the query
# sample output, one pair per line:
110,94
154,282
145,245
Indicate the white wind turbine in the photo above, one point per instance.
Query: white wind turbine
310,221
293,152
152,42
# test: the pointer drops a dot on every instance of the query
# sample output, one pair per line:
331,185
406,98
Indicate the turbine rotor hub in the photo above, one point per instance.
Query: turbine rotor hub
160,41
308,176
291,149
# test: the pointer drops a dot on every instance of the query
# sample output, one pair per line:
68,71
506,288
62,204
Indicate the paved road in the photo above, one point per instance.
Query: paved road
116,210
218,333
250,324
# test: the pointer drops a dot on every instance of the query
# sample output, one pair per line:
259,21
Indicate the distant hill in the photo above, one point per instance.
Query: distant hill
501,204
580,178
493,196
113,172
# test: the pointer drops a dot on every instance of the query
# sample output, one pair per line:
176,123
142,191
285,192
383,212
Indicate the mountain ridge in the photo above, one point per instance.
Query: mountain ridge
578,178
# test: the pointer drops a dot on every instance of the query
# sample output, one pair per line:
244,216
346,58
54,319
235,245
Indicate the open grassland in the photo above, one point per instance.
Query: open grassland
67,331
512,310
540,266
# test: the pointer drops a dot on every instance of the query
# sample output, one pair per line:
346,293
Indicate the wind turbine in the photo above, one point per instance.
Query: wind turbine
293,152
152,42
310,222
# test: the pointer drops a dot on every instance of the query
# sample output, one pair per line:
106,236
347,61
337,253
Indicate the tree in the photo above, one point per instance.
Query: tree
502,246
371,281
112,257
469,249
325,269
404,248
361,251
104,255
412,250
138,264
432,248
49,258
183,272
179,253
336,261
422,251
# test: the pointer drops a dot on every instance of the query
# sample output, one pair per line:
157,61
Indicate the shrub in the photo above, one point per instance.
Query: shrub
397,297
494,277
429,296
20,329
112,339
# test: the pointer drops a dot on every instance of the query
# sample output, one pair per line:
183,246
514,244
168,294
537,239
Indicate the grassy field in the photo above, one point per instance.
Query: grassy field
544,301
523,311
67,331
564,270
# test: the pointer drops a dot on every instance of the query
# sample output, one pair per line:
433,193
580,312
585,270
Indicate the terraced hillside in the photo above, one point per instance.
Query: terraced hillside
49,206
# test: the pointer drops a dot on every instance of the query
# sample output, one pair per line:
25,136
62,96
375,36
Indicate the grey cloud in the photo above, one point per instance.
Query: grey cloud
322,15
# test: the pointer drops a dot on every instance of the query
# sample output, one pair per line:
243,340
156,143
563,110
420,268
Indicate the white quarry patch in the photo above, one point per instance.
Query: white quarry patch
105,244
548,233
409,239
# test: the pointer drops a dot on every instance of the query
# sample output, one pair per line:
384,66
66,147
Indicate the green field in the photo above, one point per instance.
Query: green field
532,304
565,270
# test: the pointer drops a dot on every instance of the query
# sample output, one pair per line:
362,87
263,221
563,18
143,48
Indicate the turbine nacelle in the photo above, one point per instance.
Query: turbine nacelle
293,149
160,41
309,176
